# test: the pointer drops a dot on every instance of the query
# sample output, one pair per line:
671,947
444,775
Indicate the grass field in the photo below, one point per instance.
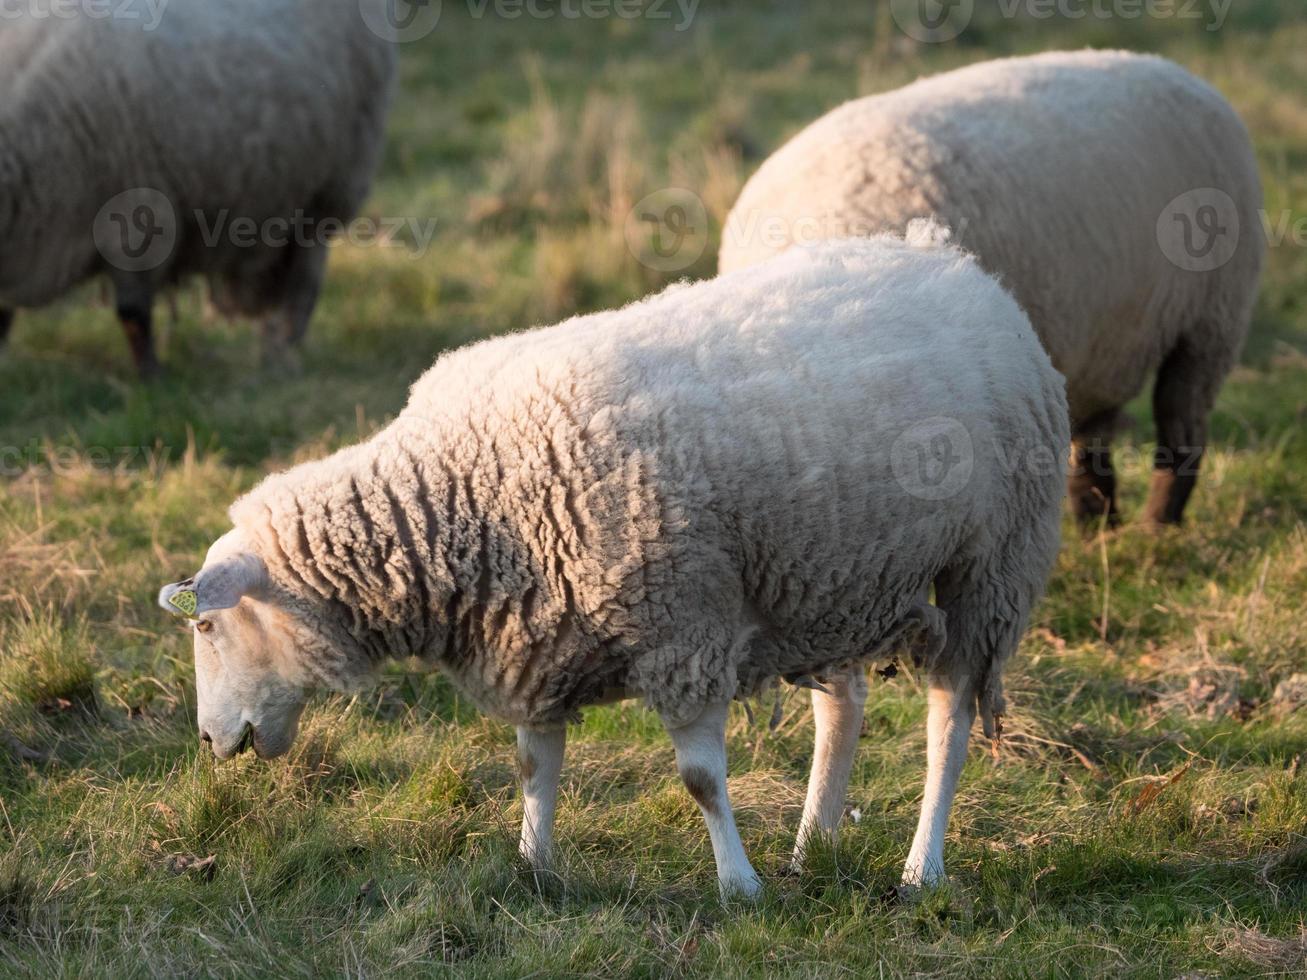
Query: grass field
1147,815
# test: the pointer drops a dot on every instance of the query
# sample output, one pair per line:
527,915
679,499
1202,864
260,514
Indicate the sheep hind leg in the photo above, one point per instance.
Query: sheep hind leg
948,732
539,765
6,321
1091,482
701,760
1182,398
837,717
301,284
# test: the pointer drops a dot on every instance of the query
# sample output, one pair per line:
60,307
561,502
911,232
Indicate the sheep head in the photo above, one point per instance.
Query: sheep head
249,685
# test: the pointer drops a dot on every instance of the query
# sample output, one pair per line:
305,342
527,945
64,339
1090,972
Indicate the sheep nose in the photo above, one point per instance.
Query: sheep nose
206,738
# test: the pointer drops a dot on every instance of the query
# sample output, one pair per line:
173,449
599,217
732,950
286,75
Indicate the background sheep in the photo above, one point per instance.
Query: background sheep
1116,195
681,501
125,143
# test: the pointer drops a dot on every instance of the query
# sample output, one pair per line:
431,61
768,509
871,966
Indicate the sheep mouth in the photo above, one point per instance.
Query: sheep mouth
247,739
268,747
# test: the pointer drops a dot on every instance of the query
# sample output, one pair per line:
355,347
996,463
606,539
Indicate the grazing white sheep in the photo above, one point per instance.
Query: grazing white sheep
1116,195
224,138
681,501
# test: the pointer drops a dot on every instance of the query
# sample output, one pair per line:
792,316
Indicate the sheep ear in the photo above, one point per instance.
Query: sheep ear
218,586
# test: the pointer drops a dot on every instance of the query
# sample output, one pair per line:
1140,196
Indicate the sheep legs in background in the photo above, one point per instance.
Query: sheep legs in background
1091,482
539,763
1182,397
134,300
838,720
701,760
137,322
1171,486
948,730
284,329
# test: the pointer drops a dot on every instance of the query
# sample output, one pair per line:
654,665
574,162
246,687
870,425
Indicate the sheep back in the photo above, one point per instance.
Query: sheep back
1059,172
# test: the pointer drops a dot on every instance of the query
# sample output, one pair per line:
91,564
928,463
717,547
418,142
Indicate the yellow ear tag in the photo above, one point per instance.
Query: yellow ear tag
186,602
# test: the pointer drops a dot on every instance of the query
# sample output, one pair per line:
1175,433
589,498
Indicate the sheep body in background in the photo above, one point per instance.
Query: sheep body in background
682,501
211,137
1115,195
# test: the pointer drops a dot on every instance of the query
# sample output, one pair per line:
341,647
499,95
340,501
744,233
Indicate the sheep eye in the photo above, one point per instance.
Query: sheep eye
204,626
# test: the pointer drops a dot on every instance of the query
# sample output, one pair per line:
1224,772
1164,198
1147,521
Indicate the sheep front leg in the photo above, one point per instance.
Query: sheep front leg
6,321
137,321
1091,481
539,763
134,302
701,760
838,720
948,729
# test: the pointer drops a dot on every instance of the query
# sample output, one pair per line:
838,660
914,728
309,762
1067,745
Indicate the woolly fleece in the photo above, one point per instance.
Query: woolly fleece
687,498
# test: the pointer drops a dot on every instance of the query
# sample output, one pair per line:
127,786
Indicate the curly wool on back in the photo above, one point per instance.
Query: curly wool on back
1055,172
244,110
686,498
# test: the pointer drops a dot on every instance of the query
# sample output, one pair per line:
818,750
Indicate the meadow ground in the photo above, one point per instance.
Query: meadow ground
1147,815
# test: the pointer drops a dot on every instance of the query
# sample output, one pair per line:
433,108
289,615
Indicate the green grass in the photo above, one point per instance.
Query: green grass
386,841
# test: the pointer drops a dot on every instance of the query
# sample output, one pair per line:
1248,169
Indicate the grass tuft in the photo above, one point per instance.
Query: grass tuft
47,662
18,899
